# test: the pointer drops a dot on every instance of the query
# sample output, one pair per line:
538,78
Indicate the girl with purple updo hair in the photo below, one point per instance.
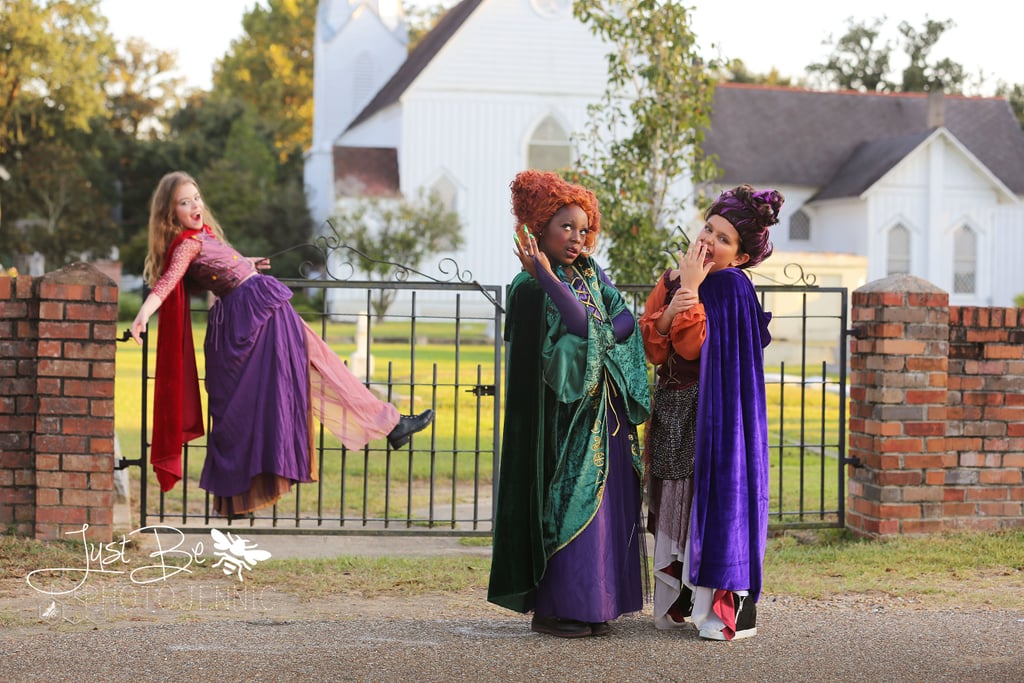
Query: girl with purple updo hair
706,461
751,212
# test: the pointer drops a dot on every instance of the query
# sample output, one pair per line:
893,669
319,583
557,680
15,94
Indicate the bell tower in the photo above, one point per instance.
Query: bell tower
359,45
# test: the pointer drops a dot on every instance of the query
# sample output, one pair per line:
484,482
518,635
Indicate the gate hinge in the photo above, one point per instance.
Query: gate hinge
855,461
482,390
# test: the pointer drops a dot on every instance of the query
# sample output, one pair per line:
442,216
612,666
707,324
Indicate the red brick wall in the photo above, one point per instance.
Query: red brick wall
985,425
57,346
936,412
19,313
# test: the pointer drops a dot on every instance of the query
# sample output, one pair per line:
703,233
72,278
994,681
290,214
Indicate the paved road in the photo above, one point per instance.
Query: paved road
451,641
792,645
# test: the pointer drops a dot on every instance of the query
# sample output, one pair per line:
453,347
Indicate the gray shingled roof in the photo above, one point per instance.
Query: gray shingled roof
418,60
838,141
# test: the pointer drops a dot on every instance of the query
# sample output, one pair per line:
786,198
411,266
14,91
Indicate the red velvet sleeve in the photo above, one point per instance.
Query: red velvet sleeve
176,267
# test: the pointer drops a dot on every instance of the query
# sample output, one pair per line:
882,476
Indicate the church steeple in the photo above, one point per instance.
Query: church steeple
359,45
333,15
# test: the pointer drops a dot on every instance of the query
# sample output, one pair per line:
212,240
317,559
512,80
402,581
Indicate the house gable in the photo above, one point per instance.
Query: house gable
873,160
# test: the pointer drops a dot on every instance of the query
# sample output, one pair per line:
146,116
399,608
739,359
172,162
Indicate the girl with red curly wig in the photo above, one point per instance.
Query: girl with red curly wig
568,536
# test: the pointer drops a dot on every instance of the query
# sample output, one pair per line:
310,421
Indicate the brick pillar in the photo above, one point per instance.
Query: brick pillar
57,419
898,378
19,312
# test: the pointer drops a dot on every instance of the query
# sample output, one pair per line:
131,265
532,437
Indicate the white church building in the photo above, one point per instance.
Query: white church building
891,183
498,86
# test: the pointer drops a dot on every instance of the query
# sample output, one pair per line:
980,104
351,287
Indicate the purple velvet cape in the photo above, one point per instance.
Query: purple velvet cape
729,519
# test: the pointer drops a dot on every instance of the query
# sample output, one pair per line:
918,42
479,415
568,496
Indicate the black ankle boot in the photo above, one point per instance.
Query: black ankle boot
407,426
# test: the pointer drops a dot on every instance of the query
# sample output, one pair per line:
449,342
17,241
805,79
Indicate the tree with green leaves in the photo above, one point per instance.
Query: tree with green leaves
141,90
53,59
857,62
271,68
920,75
642,142
55,208
860,61
1014,94
389,236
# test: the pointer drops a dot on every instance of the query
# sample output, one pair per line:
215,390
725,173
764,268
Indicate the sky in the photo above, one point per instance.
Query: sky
784,34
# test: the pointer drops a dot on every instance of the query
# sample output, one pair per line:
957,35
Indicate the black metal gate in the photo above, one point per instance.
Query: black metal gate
438,344
417,344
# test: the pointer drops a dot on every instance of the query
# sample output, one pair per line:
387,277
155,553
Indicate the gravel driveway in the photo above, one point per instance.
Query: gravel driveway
461,637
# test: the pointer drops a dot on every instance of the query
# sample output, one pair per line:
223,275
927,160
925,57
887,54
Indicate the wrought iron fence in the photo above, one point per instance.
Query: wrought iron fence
420,341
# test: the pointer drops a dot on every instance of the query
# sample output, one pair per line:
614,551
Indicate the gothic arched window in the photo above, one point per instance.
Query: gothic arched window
549,148
898,253
965,260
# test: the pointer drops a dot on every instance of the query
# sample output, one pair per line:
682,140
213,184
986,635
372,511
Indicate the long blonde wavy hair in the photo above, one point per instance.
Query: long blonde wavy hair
163,224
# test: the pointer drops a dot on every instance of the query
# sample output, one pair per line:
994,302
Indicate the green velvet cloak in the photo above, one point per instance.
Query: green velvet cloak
555,438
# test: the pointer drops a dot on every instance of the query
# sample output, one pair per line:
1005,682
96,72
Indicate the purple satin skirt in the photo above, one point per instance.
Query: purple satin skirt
257,381
597,577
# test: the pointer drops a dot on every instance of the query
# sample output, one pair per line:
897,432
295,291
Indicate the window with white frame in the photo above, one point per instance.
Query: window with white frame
965,260
549,148
800,226
898,253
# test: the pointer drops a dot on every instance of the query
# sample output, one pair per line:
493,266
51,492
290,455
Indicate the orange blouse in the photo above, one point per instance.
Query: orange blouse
676,352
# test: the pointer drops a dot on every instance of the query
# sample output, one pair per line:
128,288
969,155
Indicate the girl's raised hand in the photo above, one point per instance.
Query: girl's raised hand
692,268
529,253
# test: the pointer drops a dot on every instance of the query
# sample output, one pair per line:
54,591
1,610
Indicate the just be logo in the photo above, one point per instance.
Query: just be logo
172,557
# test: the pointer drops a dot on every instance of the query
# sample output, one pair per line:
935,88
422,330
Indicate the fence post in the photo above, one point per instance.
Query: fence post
19,314
898,387
58,408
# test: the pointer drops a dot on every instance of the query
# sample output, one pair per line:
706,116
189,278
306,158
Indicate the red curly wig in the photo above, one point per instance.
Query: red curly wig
538,195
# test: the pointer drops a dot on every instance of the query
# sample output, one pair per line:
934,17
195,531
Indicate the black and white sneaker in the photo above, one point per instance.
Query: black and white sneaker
746,620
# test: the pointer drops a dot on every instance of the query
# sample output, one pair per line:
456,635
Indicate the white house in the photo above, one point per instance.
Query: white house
929,186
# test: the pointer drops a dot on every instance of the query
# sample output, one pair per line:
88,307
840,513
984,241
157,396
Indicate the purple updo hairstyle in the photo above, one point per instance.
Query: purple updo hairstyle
751,212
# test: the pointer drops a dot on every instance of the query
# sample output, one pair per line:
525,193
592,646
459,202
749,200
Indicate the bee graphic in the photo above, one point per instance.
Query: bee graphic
235,553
